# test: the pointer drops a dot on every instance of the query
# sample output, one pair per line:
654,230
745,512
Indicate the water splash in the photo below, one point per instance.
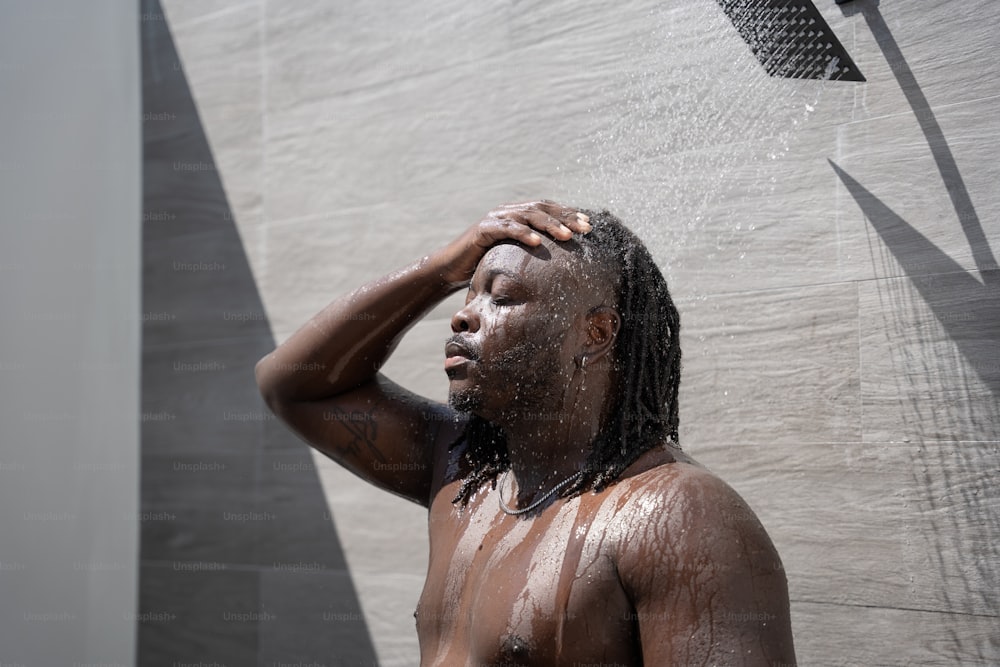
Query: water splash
688,132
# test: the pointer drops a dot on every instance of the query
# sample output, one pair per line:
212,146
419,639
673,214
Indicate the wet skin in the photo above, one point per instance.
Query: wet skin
666,566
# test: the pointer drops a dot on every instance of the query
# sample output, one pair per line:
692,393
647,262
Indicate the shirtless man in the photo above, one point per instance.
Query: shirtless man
567,528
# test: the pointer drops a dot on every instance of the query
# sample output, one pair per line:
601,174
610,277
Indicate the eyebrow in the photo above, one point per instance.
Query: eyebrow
498,271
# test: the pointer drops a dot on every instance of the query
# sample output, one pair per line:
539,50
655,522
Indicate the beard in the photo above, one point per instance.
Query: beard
524,377
468,400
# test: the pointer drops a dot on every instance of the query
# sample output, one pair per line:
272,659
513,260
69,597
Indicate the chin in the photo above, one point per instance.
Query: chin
475,401
466,399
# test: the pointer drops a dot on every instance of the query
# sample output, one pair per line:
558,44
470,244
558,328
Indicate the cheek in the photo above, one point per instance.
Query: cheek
519,334
548,322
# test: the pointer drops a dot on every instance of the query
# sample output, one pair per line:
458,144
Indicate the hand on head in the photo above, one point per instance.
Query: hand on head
524,223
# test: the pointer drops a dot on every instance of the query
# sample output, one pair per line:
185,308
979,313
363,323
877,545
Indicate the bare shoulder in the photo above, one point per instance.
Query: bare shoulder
700,571
687,495
680,516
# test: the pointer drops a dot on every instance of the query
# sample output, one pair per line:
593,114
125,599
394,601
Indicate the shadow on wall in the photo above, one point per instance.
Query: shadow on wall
967,308
915,253
958,499
240,561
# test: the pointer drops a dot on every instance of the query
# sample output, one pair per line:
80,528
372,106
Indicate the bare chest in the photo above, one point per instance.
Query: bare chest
523,591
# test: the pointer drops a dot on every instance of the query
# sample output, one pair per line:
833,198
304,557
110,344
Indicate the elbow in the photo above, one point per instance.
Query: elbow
278,389
266,383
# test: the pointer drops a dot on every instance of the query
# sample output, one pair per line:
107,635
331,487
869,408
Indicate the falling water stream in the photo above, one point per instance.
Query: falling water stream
689,132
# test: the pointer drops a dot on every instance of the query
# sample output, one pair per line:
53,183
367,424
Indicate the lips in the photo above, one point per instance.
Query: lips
455,348
457,353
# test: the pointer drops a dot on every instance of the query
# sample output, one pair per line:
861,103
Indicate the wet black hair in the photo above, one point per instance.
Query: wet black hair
646,358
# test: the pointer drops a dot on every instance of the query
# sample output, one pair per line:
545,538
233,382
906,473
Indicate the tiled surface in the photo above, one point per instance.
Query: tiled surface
200,399
384,539
177,154
179,602
927,193
221,55
182,13
895,637
777,366
208,505
839,313
320,623
871,524
951,54
290,490
389,600
576,83
317,50
930,368
230,506
395,541
309,168
205,273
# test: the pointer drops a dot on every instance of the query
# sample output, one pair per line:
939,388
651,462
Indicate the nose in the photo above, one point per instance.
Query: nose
466,319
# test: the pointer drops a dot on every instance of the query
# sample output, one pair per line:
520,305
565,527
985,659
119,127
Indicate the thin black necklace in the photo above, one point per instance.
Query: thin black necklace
538,502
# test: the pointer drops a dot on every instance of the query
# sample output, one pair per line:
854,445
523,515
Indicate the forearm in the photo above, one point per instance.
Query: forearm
345,344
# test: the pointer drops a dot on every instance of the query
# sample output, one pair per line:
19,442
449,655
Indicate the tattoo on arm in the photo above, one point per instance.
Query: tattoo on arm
361,429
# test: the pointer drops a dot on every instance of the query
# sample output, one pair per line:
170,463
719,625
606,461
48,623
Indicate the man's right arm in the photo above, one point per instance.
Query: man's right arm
324,383
324,380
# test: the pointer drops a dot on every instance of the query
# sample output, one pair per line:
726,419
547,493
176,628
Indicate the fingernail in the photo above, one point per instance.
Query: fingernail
583,218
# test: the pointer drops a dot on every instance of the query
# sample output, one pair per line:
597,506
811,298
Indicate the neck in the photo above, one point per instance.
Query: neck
548,443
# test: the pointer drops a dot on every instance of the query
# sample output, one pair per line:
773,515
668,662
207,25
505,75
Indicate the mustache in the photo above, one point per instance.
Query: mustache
471,350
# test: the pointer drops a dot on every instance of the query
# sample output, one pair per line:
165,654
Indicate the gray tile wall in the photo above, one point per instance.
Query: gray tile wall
240,559
831,247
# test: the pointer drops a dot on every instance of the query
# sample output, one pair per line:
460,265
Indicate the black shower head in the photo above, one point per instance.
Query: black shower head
791,39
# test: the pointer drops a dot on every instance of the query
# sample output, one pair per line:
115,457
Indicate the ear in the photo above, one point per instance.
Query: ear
603,323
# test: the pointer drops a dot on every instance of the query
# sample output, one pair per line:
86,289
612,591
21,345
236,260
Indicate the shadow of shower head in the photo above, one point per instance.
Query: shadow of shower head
852,7
791,39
